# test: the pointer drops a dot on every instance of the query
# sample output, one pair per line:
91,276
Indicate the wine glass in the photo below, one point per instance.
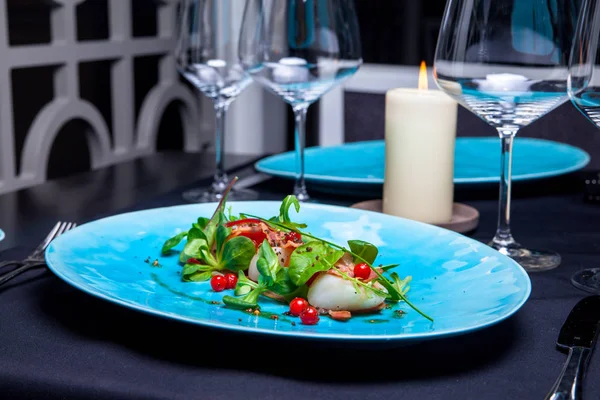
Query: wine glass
300,50
206,54
584,92
507,62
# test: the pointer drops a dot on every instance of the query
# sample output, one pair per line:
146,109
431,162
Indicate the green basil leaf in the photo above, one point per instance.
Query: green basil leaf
198,276
267,263
202,222
237,253
172,242
301,291
211,228
195,248
222,235
189,269
367,251
283,285
238,303
196,233
310,258
242,290
243,280
248,301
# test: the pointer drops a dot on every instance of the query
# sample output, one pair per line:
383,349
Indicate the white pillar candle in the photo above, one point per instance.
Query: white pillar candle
420,136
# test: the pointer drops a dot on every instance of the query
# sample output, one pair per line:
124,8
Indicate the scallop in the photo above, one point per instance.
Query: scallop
253,270
334,293
283,255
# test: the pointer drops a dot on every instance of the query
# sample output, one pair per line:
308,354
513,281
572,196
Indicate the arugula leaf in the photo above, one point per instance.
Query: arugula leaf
237,253
284,211
267,263
230,215
222,235
310,258
388,267
365,250
172,242
401,285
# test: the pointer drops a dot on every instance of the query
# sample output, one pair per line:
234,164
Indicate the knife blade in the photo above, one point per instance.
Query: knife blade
577,335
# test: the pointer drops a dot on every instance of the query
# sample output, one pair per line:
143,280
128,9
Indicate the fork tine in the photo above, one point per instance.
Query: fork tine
63,229
48,238
69,227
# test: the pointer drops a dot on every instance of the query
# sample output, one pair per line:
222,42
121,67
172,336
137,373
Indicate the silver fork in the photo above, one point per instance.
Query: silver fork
35,259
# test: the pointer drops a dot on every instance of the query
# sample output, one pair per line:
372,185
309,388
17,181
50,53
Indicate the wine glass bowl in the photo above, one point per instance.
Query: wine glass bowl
300,50
506,61
206,55
584,91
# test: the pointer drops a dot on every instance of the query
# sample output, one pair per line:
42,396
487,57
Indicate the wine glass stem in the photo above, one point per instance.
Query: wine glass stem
300,142
503,236
220,180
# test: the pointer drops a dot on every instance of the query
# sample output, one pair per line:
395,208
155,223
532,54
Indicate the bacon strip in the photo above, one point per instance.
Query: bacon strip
340,315
378,307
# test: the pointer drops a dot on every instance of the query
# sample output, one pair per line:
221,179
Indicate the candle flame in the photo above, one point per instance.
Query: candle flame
423,84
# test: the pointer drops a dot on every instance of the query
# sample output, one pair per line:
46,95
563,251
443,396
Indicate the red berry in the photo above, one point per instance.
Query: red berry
218,283
297,306
231,280
362,271
310,316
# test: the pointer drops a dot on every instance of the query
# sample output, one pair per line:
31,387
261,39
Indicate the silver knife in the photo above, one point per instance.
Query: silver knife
578,336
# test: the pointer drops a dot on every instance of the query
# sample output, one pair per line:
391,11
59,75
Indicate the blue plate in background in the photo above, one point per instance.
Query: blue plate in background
463,284
359,167
1,234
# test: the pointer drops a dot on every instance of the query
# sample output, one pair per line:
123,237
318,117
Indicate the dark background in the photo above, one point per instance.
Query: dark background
401,32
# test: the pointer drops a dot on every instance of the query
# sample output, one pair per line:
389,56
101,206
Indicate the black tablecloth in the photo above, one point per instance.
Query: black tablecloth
59,343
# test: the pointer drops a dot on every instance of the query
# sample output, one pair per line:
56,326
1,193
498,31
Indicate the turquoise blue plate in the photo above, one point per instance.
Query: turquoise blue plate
1,234
359,167
463,284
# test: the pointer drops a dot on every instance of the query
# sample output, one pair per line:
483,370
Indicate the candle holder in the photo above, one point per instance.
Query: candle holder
464,217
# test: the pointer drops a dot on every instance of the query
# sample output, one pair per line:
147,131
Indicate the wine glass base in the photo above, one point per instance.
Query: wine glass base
588,280
301,193
530,260
210,196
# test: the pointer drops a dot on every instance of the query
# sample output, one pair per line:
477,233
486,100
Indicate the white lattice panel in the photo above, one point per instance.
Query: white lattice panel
131,138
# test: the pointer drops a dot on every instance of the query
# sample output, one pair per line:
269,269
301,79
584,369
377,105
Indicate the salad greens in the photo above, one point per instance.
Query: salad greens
220,244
